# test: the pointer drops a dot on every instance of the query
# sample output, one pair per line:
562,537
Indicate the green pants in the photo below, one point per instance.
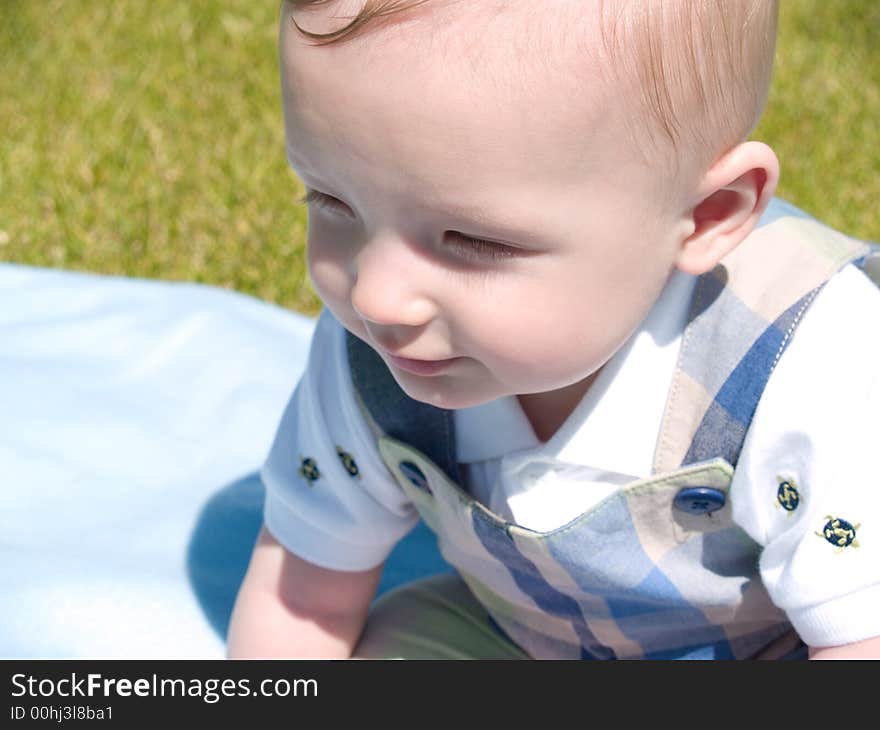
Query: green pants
432,618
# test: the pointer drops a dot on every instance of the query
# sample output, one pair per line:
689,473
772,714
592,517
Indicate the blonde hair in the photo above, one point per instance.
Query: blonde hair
706,90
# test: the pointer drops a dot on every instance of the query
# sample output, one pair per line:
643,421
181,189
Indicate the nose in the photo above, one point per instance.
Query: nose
389,288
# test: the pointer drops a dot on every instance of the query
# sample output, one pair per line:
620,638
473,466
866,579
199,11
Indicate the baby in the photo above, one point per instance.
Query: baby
555,297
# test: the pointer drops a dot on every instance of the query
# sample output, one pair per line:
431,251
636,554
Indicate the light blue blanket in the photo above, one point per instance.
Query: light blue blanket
134,416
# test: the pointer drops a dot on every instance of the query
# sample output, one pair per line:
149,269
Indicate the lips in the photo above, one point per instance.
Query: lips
421,367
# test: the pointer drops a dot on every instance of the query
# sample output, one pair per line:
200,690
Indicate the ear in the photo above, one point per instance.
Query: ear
731,198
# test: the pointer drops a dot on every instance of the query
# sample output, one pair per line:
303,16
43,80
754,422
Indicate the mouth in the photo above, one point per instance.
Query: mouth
421,367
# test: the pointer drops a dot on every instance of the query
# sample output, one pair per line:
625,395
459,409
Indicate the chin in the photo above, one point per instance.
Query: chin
441,392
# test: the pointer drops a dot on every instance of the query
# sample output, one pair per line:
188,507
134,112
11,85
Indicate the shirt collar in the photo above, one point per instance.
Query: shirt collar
615,425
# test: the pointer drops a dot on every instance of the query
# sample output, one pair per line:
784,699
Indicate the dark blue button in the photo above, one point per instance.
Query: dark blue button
699,500
787,496
415,475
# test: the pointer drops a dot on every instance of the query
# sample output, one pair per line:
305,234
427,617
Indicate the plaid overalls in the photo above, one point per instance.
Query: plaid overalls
658,569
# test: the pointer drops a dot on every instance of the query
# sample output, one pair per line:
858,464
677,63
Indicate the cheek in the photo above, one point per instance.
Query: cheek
557,327
329,269
534,324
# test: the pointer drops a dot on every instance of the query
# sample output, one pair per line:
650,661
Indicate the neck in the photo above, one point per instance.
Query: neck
549,410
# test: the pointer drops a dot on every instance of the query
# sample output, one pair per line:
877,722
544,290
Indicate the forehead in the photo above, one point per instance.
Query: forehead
461,25
457,87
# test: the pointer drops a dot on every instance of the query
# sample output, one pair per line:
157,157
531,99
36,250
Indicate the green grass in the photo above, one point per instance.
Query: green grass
145,138
823,115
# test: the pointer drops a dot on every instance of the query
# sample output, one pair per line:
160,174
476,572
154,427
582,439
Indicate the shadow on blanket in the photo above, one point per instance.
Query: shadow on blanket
226,529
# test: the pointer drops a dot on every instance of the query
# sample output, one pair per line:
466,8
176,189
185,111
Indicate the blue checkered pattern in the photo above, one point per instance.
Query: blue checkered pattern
723,427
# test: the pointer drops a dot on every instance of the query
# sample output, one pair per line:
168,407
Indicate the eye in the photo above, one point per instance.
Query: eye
478,249
466,247
324,202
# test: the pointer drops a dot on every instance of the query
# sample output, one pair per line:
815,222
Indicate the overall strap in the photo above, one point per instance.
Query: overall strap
425,427
743,315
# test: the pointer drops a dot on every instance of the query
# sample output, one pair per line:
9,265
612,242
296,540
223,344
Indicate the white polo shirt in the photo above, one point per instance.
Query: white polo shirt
818,422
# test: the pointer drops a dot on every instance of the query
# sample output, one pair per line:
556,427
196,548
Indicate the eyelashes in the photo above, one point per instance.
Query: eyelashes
322,202
466,247
477,248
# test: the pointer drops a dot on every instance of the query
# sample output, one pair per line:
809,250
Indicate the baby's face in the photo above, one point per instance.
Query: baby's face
420,142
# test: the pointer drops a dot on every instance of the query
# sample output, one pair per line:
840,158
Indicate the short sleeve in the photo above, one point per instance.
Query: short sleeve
807,485
329,497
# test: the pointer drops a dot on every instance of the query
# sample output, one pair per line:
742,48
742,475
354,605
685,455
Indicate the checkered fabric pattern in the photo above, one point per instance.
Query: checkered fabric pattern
743,315
634,577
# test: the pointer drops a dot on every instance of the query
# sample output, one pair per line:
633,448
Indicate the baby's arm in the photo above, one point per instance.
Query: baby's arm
867,649
290,608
